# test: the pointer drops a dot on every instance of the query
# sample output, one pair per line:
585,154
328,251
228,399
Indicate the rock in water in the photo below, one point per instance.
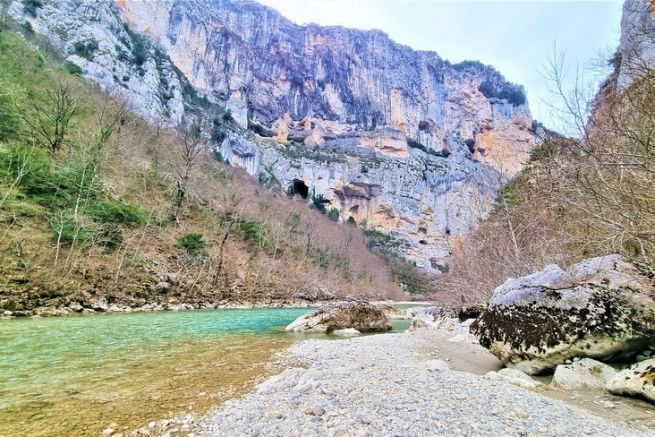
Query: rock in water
600,308
363,317
586,373
638,380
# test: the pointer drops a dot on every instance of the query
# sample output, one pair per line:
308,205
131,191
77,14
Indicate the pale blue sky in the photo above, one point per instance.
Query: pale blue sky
513,36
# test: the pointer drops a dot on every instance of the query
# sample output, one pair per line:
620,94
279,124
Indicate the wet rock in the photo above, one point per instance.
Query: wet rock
600,308
638,380
361,316
585,373
115,309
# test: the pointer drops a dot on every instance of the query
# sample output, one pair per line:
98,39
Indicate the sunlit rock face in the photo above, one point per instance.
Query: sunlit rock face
401,141
317,82
398,140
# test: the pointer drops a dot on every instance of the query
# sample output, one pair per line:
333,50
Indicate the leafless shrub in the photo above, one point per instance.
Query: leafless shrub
590,194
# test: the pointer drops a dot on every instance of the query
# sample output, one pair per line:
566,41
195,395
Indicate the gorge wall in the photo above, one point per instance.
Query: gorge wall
400,141
636,52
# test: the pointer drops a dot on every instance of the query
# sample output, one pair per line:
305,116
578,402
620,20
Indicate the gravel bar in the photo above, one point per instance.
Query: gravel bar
392,385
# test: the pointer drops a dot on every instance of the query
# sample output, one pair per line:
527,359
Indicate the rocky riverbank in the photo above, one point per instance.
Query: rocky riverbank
94,304
101,305
413,383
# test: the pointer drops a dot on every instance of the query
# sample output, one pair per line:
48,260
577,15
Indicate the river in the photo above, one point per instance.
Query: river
79,375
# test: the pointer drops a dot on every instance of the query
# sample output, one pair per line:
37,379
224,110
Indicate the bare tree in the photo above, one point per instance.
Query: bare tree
609,173
185,162
53,117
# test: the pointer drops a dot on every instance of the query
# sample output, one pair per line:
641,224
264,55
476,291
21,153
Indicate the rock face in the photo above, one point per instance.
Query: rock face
400,141
363,317
122,62
638,380
637,47
331,82
600,308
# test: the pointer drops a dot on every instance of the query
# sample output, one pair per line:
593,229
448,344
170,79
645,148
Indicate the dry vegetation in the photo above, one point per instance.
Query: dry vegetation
579,197
95,202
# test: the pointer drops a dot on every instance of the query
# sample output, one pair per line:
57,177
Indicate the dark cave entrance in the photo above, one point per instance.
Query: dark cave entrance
300,188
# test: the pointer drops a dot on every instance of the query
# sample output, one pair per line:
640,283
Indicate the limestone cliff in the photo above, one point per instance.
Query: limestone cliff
636,53
400,141
317,83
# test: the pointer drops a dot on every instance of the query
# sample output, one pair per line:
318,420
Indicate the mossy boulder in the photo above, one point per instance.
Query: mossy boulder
362,316
601,308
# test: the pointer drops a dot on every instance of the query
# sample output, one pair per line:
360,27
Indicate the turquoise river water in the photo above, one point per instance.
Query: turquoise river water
78,375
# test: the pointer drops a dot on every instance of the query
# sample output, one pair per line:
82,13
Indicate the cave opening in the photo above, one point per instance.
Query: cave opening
471,145
300,188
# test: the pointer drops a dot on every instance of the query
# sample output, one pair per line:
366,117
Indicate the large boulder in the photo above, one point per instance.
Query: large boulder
363,317
601,308
638,380
583,374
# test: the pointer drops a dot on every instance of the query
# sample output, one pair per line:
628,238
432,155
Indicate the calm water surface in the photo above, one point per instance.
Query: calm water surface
78,375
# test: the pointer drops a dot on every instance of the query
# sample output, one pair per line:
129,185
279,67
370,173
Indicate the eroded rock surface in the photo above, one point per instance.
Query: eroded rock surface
600,308
363,317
